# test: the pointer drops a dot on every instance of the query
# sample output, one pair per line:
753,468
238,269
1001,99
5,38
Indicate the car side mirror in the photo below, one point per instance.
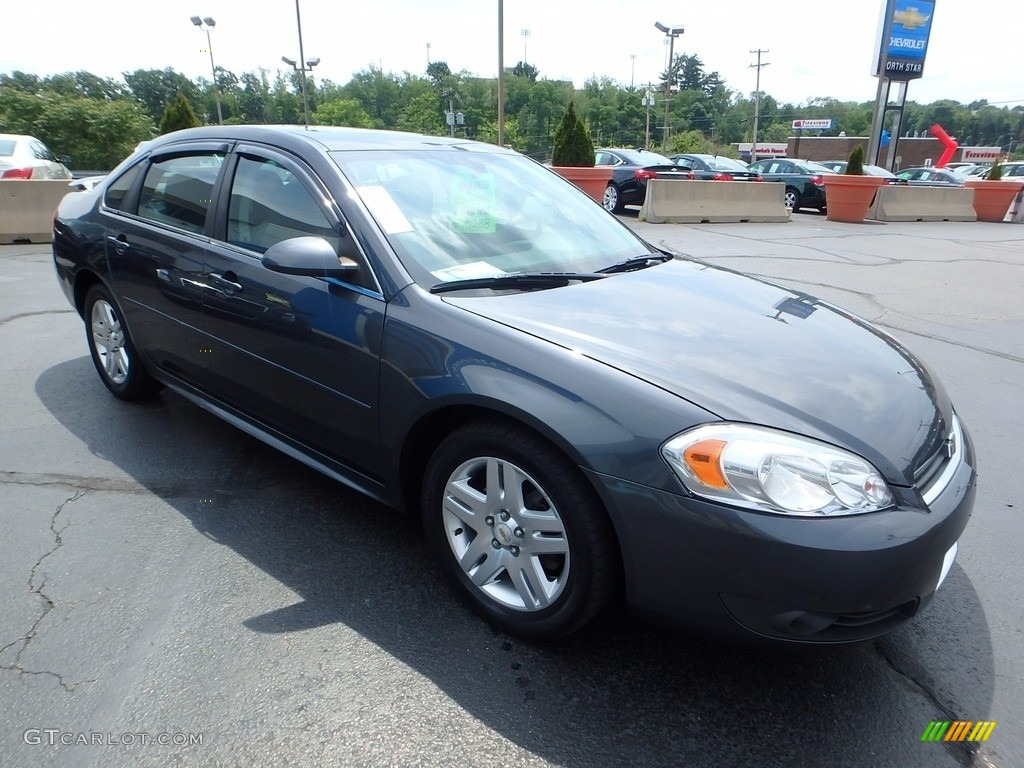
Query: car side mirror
310,256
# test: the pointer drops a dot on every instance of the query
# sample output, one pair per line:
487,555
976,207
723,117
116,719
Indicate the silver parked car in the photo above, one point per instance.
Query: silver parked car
26,157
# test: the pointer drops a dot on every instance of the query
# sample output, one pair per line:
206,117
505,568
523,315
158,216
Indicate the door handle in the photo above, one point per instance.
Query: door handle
226,282
119,244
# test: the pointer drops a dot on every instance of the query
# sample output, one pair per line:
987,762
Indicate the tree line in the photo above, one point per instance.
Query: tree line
98,121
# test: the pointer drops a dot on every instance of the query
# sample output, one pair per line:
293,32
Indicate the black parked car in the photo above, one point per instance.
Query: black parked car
715,168
571,413
804,187
631,168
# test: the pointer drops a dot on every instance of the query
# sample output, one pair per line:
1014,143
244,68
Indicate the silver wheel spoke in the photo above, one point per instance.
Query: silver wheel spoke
511,487
488,569
478,549
546,545
531,584
464,502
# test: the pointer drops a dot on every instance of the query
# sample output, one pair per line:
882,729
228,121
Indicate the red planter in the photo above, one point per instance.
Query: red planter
591,180
992,198
848,197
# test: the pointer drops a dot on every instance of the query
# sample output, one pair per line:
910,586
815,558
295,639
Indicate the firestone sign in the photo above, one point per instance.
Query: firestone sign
821,124
906,26
981,154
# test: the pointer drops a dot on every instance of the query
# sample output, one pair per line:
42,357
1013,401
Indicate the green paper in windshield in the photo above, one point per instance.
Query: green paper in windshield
473,203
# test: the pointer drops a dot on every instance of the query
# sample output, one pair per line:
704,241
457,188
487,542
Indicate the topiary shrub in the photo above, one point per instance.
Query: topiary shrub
178,115
995,173
855,163
573,147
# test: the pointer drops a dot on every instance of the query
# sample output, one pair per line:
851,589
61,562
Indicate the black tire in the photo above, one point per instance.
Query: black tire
541,548
792,196
110,346
613,199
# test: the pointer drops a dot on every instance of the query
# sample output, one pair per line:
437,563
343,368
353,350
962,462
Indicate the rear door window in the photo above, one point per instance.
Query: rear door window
177,191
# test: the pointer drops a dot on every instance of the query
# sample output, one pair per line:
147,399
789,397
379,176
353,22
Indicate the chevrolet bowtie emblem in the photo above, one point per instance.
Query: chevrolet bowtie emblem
910,18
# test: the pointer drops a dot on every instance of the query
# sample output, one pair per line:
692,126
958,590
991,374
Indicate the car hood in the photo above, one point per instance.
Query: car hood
747,351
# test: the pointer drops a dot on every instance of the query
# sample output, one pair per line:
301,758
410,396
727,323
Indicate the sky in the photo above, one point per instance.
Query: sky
814,49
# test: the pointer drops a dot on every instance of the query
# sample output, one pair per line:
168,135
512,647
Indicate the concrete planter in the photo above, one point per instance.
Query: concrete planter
992,198
848,197
591,180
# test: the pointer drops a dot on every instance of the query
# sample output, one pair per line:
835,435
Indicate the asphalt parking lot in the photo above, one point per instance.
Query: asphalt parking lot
176,593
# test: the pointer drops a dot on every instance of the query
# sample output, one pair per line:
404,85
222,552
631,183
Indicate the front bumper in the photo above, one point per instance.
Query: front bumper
813,580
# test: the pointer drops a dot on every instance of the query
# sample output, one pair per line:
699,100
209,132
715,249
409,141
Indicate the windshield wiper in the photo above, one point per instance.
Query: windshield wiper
525,281
637,262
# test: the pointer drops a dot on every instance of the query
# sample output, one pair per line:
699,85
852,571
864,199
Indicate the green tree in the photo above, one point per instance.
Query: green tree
156,88
422,115
95,133
347,112
522,69
87,85
514,138
178,115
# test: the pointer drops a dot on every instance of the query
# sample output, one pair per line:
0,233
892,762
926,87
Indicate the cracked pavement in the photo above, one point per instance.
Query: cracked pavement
166,574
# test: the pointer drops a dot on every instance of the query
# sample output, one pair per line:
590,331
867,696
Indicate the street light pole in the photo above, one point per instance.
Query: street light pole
306,66
671,33
501,73
302,58
210,24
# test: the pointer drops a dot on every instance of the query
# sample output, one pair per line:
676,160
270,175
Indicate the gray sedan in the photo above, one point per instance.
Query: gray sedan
569,414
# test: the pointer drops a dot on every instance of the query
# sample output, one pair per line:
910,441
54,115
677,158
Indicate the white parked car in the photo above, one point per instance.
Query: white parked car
26,157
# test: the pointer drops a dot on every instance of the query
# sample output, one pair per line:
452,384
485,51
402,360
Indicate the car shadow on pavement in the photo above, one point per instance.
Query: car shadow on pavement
621,692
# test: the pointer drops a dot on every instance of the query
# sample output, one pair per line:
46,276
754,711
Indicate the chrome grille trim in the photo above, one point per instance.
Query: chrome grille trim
955,441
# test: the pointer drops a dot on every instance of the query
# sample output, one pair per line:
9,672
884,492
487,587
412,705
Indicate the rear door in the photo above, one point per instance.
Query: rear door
299,354
156,247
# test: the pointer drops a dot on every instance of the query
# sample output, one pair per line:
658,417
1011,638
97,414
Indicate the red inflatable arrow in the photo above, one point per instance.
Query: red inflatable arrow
947,141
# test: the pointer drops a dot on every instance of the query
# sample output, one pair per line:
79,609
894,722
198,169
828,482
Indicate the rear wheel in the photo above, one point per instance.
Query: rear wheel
519,529
110,345
792,199
612,199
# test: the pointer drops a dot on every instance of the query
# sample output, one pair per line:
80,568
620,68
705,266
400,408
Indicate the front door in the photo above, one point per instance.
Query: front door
300,354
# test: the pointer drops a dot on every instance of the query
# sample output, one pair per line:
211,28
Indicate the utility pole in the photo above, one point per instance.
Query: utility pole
757,101
648,103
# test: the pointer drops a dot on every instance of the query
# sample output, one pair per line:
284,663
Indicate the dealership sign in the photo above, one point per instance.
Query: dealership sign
903,39
764,150
824,124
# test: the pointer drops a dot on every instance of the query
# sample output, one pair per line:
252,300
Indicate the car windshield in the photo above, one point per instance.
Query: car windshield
461,215
810,167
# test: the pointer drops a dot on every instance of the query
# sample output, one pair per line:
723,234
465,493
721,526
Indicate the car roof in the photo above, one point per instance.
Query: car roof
330,138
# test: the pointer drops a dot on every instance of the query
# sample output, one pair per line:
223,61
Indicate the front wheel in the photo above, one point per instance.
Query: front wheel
613,199
111,348
519,529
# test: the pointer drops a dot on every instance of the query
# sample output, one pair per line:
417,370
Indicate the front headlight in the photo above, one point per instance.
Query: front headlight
772,471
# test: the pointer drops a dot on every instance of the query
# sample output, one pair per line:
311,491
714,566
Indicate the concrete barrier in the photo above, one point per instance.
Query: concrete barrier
1016,213
896,202
26,209
678,201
